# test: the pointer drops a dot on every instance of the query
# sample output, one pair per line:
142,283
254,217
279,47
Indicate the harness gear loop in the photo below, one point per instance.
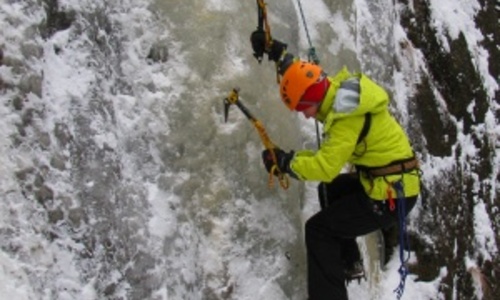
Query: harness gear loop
233,98
312,56
396,167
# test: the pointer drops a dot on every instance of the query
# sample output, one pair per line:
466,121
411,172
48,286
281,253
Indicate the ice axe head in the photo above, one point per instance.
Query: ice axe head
231,99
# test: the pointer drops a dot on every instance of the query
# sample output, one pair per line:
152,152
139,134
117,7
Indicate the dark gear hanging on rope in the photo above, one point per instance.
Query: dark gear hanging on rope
261,38
262,41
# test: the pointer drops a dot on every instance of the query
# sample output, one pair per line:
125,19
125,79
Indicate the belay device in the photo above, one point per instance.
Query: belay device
233,98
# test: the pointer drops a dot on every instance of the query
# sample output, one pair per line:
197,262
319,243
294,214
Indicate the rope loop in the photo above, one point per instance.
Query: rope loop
282,178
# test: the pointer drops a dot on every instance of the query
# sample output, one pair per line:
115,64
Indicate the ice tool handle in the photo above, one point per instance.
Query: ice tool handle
233,98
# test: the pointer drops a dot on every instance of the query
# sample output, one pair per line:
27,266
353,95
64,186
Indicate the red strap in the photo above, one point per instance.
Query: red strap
392,203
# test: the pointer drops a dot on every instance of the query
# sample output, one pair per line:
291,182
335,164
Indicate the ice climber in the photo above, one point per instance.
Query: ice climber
359,130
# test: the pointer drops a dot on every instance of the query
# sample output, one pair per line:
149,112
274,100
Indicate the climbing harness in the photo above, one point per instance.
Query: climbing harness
311,53
397,167
233,98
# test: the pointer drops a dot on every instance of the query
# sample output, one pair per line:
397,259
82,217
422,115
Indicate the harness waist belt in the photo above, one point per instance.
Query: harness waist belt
396,167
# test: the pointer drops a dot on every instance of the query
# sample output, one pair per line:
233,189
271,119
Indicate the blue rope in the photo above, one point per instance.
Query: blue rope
404,242
311,55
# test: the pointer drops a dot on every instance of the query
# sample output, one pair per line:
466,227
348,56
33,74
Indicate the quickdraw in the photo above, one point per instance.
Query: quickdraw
233,98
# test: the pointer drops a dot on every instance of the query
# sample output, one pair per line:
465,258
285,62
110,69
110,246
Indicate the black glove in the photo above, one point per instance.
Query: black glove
282,160
258,40
276,50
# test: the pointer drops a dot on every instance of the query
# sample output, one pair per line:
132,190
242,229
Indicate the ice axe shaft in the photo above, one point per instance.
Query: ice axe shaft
233,98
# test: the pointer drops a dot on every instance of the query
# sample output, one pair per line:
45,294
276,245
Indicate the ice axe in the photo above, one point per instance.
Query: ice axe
263,28
233,98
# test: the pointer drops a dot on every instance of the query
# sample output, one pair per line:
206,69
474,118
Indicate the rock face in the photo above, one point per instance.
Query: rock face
454,109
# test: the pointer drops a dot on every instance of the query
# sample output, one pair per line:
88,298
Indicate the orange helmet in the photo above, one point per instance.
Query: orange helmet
297,79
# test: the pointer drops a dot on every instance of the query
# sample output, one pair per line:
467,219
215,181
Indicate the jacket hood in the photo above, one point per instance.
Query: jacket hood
351,95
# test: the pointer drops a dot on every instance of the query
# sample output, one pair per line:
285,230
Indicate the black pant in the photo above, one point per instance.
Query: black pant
330,234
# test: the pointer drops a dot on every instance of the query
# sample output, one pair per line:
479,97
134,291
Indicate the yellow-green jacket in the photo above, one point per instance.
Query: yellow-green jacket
342,113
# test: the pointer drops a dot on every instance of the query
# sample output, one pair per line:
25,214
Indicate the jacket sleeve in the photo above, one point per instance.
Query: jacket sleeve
333,154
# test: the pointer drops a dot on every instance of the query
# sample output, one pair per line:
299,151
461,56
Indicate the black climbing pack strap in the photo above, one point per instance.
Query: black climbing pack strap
366,127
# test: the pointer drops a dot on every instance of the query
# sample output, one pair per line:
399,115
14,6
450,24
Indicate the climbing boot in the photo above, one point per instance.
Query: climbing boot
356,271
